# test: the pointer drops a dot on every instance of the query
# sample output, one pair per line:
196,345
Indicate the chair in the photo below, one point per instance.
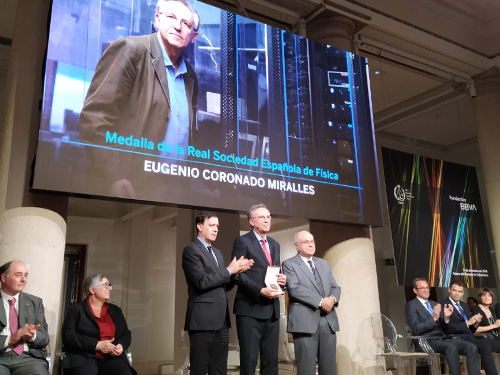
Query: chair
437,358
287,358
385,336
128,354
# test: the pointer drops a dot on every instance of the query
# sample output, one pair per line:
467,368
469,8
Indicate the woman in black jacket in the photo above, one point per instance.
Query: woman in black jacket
489,324
95,334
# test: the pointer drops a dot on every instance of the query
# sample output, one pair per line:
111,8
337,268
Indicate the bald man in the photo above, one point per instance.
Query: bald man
312,319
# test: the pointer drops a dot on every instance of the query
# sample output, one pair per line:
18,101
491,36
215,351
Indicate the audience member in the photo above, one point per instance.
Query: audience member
428,318
460,323
471,302
489,324
95,334
23,327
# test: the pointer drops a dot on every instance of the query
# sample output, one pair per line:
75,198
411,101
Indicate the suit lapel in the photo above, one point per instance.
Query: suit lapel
3,317
206,254
23,307
258,248
87,311
423,310
219,257
306,271
159,64
321,273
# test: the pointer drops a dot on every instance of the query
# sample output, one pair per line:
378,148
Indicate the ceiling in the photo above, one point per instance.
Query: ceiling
422,56
425,54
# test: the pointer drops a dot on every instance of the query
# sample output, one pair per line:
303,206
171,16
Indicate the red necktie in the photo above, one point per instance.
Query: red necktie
14,325
266,251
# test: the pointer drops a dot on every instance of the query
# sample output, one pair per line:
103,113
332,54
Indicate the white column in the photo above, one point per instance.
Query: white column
335,30
36,236
487,112
354,269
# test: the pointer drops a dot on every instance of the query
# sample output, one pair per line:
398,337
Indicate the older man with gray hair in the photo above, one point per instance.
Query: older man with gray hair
23,329
312,319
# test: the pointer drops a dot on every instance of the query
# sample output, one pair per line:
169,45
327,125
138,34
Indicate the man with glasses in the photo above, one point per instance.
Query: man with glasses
312,319
429,319
461,322
145,91
256,306
23,329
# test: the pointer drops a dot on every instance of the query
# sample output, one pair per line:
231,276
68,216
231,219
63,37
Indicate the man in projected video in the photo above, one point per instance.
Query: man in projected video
142,99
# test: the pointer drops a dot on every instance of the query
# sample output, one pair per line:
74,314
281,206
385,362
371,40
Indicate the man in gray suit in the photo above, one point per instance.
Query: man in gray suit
23,329
312,320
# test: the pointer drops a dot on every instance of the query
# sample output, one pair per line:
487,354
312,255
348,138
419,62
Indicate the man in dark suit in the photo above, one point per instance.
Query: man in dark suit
256,305
23,329
145,91
312,319
460,323
427,318
207,314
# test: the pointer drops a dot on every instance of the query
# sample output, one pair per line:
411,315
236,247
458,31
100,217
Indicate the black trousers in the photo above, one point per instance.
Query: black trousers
258,335
208,351
485,347
95,366
452,350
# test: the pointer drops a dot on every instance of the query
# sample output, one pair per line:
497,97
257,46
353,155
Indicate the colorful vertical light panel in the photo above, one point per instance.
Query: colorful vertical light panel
437,221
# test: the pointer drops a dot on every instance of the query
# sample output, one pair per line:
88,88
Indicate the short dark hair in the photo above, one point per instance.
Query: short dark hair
414,283
484,291
472,298
4,268
457,283
253,208
202,216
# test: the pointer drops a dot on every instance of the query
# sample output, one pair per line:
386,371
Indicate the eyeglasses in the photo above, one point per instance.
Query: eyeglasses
262,217
106,285
424,288
312,242
185,25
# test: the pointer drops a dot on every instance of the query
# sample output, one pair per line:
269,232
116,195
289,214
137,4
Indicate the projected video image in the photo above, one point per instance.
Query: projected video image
221,114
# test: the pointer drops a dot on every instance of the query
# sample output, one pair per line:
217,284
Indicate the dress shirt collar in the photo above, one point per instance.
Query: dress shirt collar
204,243
307,260
424,301
259,238
182,65
6,297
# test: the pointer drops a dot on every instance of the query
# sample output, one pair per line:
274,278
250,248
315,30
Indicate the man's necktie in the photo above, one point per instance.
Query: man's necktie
14,325
213,254
462,312
313,269
266,251
429,308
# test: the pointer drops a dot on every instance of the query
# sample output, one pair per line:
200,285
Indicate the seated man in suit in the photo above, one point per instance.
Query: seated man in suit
207,314
427,318
312,319
23,327
460,323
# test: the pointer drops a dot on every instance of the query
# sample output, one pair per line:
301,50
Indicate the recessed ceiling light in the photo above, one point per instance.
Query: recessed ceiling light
377,72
